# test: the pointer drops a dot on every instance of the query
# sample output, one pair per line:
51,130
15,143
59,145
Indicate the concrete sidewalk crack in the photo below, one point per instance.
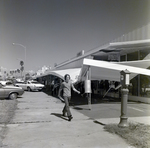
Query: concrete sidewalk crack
28,122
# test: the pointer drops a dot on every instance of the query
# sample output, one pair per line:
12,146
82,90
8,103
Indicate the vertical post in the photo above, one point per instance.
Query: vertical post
88,87
125,80
90,107
139,93
124,100
21,75
126,57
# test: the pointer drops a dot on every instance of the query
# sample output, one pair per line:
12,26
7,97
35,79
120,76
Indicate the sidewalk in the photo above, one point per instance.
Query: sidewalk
38,124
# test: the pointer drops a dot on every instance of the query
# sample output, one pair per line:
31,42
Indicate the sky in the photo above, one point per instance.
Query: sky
54,31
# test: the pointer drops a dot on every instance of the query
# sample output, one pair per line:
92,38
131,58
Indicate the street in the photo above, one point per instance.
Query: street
38,123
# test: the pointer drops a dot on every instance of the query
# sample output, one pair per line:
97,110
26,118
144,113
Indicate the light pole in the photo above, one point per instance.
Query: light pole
24,47
24,50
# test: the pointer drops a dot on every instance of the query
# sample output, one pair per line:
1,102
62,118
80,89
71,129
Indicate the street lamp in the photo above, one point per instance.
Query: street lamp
24,49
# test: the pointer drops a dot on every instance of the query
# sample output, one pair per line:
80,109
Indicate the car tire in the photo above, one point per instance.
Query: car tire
13,96
29,89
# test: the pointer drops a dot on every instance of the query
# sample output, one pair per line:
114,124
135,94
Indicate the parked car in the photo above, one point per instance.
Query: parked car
10,91
30,85
6,82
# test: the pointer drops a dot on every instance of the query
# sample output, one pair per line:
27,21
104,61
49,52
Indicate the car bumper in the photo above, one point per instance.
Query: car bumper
21,92
37,88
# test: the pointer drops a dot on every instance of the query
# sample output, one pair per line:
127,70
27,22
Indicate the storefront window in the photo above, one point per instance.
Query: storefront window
133,90
132,56
140,83
145,80
145,86
144,54
123,58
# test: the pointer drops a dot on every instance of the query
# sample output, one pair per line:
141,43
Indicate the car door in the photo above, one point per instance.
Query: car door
23,85
2,91
29,84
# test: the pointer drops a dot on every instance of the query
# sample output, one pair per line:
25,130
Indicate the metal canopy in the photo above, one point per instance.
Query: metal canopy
102,70
74,73
122,47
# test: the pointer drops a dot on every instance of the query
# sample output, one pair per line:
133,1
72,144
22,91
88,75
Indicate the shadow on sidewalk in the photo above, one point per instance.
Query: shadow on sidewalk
59,115
79,108
77,99
97,122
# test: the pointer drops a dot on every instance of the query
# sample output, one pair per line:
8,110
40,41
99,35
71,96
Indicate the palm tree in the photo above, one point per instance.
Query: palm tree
18,70
21,68
21,63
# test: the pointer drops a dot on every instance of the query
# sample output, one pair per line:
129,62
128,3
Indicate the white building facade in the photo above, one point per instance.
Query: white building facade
130,51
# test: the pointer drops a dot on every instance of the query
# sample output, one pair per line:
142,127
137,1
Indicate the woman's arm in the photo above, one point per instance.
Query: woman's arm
59,92
75,89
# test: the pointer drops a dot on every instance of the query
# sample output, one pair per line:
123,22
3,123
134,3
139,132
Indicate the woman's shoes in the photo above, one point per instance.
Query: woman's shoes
70,117
64,115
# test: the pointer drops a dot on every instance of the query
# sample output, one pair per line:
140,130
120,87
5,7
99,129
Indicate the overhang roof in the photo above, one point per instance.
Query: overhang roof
102,70
122,47
74,73
135,43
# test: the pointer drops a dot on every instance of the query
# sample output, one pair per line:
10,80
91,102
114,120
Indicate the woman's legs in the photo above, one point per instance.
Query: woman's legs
66,107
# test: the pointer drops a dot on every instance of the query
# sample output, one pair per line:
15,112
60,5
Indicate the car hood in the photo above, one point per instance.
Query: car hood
12,87
39,85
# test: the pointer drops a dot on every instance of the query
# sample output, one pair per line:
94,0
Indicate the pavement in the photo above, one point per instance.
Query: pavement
38,123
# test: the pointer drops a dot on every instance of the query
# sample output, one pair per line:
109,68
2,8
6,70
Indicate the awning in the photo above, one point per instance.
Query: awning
140,64
74,73
102,70
135,43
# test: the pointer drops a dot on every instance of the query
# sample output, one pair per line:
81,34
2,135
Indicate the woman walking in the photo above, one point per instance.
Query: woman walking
66,87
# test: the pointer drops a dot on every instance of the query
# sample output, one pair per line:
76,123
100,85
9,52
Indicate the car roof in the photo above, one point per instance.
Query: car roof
4,82
31,81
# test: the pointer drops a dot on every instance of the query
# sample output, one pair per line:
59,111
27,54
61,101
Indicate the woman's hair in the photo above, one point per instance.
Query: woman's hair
66,76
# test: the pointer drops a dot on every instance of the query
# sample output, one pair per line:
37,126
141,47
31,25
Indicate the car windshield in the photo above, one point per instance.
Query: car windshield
9,83
34,82
6,83
21,82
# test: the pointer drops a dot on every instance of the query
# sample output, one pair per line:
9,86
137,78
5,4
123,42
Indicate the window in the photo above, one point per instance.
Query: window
123,58
144,53
132,56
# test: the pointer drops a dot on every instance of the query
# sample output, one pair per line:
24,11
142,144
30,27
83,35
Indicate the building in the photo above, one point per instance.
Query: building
130,51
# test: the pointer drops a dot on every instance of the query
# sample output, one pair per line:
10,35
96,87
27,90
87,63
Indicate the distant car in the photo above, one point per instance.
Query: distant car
10,91
30,85
6,82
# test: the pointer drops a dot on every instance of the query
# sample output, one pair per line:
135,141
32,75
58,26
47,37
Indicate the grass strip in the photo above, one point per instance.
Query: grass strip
137,134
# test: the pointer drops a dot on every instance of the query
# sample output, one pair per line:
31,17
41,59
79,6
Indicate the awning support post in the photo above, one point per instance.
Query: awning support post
87,85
